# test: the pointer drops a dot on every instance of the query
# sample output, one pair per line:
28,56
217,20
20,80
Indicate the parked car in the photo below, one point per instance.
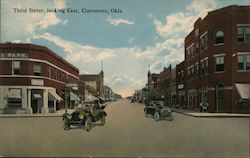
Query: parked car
85,116
158,111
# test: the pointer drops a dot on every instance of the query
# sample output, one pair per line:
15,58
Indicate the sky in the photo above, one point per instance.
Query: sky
130,37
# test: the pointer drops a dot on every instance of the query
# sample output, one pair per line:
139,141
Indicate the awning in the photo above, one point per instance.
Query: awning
243,90
54,96
74,97
14,94
90,98
37,96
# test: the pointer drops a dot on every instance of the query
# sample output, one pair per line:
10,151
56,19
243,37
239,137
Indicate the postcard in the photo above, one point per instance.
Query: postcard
135,78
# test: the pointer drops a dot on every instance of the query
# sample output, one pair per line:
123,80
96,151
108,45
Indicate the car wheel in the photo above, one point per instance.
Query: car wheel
88,124
103,121
145,113
66,126
157,116
170,117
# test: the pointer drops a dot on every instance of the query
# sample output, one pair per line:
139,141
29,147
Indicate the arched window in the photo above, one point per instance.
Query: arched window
219,37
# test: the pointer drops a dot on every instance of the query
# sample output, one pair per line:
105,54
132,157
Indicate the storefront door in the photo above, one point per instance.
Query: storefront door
220,98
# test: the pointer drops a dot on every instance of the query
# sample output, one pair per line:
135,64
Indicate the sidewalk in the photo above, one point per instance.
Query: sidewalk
58,113
206,114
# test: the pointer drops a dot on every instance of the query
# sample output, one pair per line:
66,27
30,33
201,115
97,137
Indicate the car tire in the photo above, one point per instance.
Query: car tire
157,116
88,124
66,126
145,113
103,121
170,117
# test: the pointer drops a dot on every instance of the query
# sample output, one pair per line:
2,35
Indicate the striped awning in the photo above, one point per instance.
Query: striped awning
54,96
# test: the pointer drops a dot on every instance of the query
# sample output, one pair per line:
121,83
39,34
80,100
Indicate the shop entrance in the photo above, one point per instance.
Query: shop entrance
220,98
36,100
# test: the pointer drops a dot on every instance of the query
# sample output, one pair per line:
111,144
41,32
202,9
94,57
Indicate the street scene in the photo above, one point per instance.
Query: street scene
153,79
127,133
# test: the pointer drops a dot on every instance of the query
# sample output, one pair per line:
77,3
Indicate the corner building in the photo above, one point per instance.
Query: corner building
217,61
34,79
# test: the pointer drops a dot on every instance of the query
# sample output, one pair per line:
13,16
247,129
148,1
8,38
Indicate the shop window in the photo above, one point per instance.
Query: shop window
16,67
37,69
219,63
243,34
14,98
14,103
219,37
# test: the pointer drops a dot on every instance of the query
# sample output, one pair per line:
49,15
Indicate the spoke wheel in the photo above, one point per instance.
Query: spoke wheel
145,113
157,116
88,124
66,126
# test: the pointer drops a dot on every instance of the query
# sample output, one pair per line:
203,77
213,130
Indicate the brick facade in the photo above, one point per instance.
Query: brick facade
38,69
212,51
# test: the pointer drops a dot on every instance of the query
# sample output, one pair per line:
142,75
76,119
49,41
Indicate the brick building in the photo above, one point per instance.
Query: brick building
180,84
34,79
96,81
153,82
217,61
167,85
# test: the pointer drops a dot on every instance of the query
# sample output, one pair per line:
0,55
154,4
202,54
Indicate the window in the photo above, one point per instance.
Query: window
219,63
219,37
37,69
196,70
190,51
14,98
188,73
16,67
204,67
197,47
243,34
49,71
204,42
244,62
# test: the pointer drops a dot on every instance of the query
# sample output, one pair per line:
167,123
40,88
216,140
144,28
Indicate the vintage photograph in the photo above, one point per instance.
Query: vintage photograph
125,79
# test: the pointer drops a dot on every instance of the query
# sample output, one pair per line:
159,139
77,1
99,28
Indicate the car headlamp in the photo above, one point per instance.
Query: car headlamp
81,116
69,116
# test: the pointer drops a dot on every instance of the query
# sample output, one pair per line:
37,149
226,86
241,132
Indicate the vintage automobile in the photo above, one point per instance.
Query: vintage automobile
85,116
158,111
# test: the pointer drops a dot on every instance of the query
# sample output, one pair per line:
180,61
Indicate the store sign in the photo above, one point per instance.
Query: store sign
37,82
13,55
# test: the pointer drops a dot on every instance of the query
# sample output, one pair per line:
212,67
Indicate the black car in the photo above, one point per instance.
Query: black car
85,116
158,111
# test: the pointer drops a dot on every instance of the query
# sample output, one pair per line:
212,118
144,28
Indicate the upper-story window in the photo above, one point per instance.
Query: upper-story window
244,62
243,33
204,42
37,69
204,67
49,71
190,51
219,63
219,37
16,67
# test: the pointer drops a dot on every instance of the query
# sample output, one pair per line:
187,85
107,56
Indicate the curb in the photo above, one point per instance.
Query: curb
211,114
29,115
